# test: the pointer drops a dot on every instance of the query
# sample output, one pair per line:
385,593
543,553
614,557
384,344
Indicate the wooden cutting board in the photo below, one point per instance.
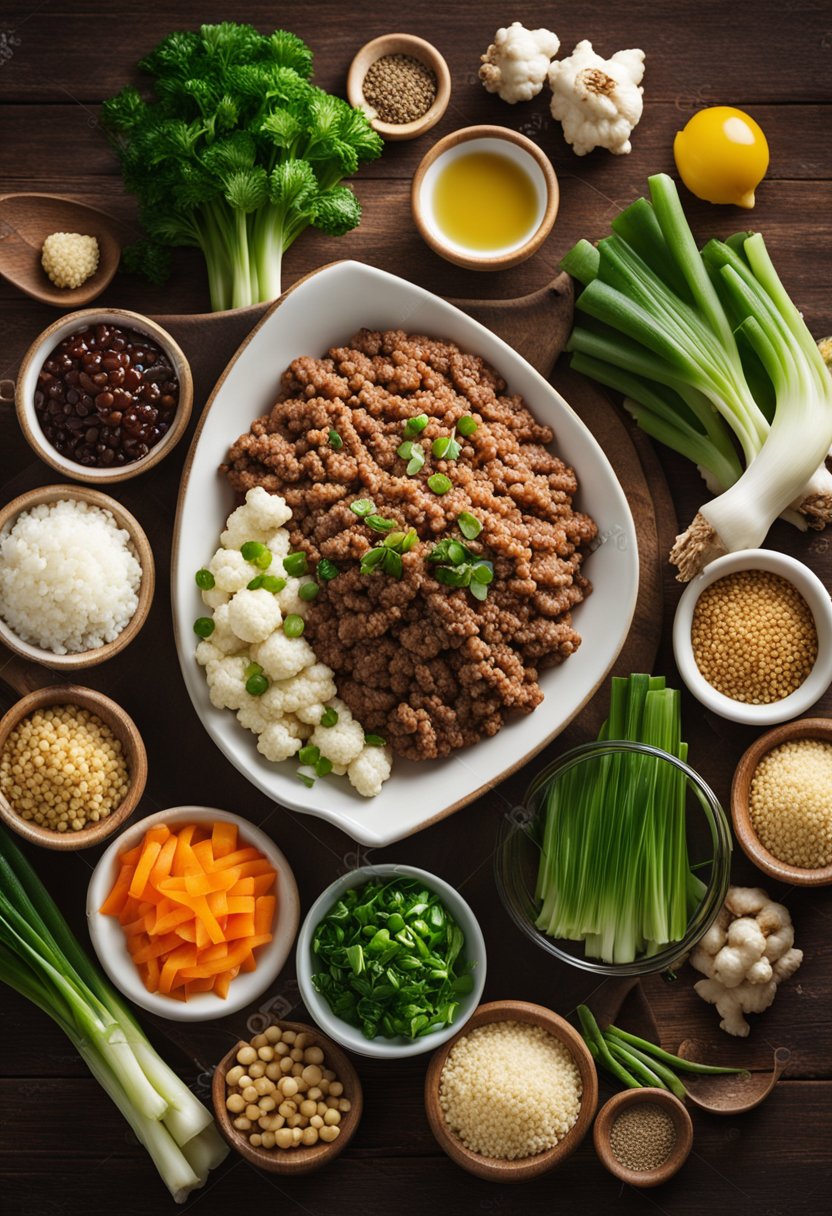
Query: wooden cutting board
537,327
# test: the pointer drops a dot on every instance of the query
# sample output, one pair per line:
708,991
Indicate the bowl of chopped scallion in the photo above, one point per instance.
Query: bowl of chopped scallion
390,961
620,860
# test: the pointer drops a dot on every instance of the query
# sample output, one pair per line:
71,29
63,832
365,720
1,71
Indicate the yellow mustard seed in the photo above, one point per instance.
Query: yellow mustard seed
790,803
400,88
63,768
753,637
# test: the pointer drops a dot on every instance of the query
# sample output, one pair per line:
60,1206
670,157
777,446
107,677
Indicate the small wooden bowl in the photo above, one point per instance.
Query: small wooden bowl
496,1169
143,552
525,153
305,1159
752,846
400,44
40,350
125,730
607,1116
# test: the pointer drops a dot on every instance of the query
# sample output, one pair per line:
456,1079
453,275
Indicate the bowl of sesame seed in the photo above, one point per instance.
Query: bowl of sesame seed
402,84
752,637
643,1136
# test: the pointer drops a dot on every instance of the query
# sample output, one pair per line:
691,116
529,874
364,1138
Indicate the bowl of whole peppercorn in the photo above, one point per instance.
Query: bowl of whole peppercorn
402,84
103,395
752,637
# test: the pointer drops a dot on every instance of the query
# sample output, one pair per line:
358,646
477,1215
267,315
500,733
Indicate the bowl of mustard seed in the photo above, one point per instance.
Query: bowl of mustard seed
402,83
643,1136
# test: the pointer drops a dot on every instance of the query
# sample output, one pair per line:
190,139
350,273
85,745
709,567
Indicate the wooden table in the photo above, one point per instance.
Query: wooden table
62,1149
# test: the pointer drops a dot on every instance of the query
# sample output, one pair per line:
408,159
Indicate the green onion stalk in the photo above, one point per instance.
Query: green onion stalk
713,360
42,960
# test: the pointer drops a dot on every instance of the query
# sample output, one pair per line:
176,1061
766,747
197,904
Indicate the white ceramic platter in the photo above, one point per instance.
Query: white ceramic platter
324,310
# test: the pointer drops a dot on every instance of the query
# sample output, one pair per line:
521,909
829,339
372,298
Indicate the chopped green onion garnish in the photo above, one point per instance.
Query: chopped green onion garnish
379,524
469,525
392,563
445,448
375,741
309,754
457,553
256,685
483,572
256,553
405,450
255,583
204,626
327,569
478,590
272,583
372,559
253,669
329,717
335,441
417,460
466,426
306,779
308,591
205,580
323,767
362,507
294,625
439,483
295,564
415,426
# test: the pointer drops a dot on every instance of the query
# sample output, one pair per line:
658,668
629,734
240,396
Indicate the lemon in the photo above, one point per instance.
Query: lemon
722,156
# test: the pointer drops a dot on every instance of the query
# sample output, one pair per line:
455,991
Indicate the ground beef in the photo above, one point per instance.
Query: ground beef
427,666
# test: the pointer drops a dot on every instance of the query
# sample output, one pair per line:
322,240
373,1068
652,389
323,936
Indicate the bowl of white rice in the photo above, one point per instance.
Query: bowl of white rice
76,577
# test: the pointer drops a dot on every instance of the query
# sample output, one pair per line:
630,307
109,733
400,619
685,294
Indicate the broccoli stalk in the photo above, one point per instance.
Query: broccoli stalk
236,153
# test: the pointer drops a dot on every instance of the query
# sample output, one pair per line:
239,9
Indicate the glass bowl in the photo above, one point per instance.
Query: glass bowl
519,847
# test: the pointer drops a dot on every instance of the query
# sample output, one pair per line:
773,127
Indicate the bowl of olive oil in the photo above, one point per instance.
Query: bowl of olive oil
485,198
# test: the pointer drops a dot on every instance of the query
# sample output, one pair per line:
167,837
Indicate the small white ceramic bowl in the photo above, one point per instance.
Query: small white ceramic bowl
505,142
817,598
110,944
39,352
350,1036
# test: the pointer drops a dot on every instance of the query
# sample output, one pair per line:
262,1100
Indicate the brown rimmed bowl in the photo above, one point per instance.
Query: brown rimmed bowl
607,1116
124,729
750,843
400,44
141,548
505,142
305,1159
40,350
497,1169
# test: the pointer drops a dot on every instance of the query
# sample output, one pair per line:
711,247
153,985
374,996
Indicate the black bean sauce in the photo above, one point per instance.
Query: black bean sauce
105,396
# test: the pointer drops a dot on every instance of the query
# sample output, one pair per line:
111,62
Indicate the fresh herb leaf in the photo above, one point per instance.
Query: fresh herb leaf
469,525
362,507
378,523
335,441
415,426
375,741
327,569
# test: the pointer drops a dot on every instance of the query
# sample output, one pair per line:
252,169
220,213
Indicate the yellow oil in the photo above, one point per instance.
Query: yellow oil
485,201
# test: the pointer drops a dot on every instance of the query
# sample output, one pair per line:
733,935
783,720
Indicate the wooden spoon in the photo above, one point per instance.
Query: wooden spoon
26,220
729,1095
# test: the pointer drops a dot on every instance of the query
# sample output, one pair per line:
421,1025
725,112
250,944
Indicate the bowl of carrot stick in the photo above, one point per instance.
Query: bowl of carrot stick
192,912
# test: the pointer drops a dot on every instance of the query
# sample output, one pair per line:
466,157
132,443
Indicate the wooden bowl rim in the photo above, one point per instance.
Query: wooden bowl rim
122,726
474,261
141,545
750,843
401,44
308,1157
610,1111
37,353
496,1169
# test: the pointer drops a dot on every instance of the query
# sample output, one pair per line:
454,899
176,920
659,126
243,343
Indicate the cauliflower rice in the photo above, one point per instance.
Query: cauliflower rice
69,578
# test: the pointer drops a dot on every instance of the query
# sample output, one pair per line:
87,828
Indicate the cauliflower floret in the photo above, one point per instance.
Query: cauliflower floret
231,571
213,598
224,637
278,740
370,769
289,600
303,694
257,519
207,653
598,101
69,258
227,681
516,63
282,657
251,715
342,742
254,615
278,545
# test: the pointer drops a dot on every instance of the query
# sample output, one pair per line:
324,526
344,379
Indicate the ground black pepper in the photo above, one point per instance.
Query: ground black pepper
400,88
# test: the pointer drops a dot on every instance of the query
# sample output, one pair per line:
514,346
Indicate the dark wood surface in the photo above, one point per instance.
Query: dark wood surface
62,1147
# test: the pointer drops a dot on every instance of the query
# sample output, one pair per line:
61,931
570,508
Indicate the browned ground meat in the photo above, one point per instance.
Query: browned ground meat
428,667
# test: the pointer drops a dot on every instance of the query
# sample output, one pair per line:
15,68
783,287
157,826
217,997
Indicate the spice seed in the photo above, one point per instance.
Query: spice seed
643,1137
400,88
753,637
790,803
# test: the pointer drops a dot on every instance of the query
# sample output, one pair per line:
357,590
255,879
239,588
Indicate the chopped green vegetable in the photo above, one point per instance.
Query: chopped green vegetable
237,153
256,553
446,447
466,426
323,767
329,717
415,426
457,566
614,870
439,483
305,778
469,525
378,523
204,626
327,569
269,582
41,959
257,684
375,741
293,625
204,580
335,441
309,754
308,591
390,957
362,507
295,564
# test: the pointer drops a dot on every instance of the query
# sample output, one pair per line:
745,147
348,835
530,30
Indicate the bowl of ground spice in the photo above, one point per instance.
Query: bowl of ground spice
781,802
402,84
643,1136
752,637
72,767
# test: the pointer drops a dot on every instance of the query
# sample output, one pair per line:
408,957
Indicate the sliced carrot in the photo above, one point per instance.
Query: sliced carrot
172,916
203,883
240,903
218,903
222,982
263,914
223,838
151,850
204,854
251,869
237,858
188,930
131,856
164,861
200,985
243,886
159,833
239,926
176,963
261,885
115,901
155,948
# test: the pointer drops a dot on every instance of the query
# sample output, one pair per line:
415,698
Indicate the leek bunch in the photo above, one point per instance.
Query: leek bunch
42,960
